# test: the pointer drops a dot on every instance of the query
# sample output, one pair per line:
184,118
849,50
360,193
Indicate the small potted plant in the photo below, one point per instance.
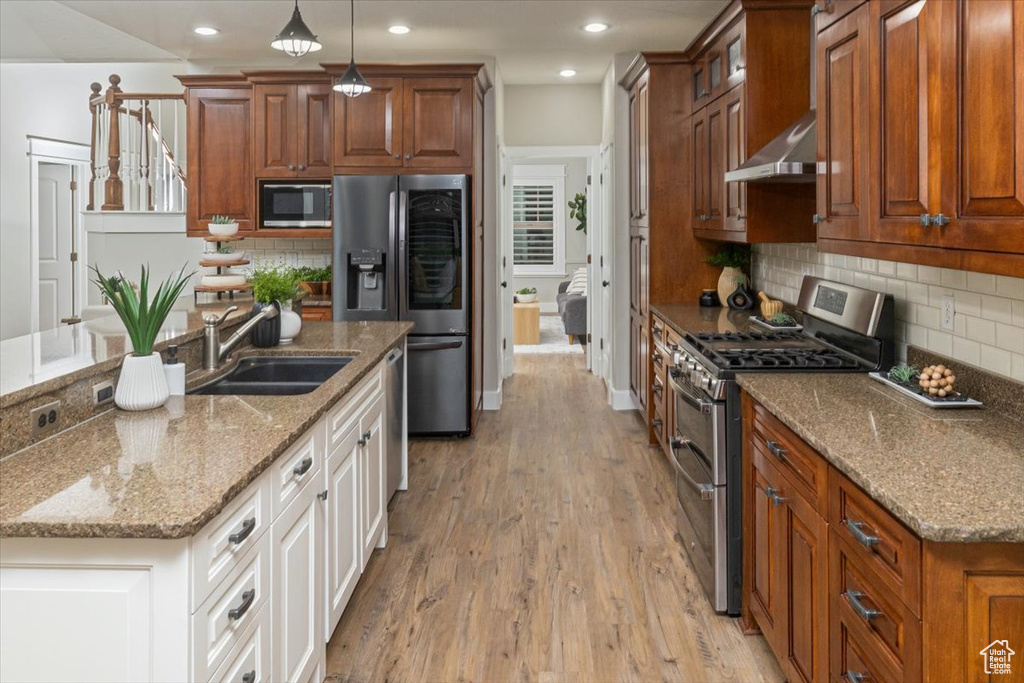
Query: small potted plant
526,295
733,259
905,374
578,210
222,226
224,255
316,281
271,286
142,384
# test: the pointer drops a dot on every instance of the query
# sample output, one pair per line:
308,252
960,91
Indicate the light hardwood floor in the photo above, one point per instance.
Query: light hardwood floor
542,550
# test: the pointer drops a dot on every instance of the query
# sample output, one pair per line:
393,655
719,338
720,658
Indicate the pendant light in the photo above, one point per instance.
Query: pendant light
352,83
295,38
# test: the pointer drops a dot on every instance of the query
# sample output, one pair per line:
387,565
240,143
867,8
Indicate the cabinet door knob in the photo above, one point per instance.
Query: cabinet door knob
940,220
605,283
398,156
302,167
249,677
291,167
408,157
322,495
925,219
773,493
365,439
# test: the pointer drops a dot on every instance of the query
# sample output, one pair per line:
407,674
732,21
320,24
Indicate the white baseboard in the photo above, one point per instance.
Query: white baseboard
492,400
620,399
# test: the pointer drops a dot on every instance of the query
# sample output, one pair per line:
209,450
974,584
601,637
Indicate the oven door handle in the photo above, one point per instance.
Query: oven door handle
707,491
705,406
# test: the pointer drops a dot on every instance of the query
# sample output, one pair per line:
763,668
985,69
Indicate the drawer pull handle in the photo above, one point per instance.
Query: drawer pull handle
247,526
303,467
855,677
247,599
773,494
865,613
857,531
777,450
365,439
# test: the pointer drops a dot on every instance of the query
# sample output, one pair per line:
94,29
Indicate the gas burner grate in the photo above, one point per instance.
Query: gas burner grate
789,358
744,336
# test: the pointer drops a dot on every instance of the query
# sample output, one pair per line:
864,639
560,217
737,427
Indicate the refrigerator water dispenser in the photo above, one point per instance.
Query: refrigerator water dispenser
367,280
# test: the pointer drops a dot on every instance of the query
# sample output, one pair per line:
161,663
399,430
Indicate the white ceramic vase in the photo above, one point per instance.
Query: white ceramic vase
291,323
142,384
727,284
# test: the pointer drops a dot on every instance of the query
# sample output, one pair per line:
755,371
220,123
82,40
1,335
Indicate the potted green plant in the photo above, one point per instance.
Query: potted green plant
316,281
526,295
271,286
222,226
578,211
733,259
141,384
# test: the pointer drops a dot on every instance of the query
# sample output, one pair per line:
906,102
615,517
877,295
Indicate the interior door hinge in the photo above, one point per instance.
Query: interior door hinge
589,182
601,344
74,185
590,338
74,256
503,180
504,344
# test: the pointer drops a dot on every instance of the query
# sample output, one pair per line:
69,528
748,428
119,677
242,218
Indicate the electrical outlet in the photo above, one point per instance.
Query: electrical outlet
45,418
948,312
103,393
325,260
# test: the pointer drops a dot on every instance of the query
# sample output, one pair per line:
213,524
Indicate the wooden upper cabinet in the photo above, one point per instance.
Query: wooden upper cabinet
904,99
716,166
315,130
643,176
368,129
220,168
438,122
842,125
987,211
734,202
292,130
700,163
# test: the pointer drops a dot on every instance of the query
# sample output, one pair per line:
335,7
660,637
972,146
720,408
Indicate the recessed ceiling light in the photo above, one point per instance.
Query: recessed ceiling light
567,73
206,30
399,30
596,27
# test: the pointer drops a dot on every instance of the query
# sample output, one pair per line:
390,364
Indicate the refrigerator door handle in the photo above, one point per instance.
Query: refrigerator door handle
435,346
403,275
395,279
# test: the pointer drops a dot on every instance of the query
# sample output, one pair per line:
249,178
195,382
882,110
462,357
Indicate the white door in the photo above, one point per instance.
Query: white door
343,538
56,282
298,591
505,267
371,465
604,269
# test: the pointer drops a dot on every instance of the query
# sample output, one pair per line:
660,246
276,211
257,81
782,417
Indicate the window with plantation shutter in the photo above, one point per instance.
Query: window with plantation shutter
538,220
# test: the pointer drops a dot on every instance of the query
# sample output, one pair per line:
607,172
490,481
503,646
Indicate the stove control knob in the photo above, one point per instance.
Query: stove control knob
705,381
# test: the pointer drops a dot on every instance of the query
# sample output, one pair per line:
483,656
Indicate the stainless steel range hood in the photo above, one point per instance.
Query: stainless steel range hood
790,157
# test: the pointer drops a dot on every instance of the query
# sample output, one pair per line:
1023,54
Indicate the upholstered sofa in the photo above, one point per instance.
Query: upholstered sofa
573,309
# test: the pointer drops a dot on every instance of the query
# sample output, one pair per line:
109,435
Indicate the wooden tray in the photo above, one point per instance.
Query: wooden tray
956,401
224,264
224,238
207,289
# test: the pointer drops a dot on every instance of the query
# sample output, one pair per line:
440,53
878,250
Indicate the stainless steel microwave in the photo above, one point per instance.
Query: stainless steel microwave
294,205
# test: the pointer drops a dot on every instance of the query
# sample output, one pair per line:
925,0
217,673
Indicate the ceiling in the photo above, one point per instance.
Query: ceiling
531,40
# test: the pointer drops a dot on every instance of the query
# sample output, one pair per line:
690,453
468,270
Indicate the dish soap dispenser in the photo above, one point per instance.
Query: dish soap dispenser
175,372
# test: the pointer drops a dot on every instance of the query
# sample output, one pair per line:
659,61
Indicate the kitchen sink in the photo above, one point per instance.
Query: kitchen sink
276,376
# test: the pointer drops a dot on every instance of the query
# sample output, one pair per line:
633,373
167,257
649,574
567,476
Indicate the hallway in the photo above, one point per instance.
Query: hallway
541,550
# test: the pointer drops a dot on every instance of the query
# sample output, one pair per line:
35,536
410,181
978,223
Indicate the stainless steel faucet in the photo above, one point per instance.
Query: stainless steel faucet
214,352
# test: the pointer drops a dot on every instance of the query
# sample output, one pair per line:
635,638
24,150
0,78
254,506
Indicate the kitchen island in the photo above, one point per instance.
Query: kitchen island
211,538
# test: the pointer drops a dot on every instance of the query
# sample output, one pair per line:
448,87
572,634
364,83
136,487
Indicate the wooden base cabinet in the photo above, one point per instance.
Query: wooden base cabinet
842,591
254,596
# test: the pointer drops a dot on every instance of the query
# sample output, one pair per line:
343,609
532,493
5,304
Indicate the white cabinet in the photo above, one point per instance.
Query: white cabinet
253,596
344,542
298,603
372,464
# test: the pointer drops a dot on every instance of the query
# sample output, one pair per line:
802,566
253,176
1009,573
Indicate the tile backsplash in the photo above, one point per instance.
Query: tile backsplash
296,252
989,309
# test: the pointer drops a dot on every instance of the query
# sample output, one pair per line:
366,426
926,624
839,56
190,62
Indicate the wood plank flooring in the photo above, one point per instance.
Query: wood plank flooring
542,550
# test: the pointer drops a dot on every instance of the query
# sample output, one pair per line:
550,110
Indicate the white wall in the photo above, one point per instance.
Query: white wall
552,115
615,131
51,101
575,241
988,324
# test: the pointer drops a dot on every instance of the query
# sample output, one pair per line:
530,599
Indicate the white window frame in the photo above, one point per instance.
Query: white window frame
554,175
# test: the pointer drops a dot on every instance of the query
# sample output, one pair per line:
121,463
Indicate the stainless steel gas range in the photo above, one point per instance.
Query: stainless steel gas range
846,329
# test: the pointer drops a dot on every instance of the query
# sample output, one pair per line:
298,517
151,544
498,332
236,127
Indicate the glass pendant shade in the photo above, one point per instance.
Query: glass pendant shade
295,38
352,83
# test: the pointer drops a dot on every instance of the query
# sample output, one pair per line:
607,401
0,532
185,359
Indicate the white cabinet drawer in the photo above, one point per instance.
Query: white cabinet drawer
220,545
219,624
345,415
300,465
250,661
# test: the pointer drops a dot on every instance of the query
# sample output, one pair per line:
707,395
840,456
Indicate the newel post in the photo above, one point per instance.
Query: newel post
114,188
95,91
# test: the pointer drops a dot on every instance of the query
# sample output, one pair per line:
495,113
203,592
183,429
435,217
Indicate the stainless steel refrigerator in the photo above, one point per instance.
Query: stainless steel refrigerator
401,253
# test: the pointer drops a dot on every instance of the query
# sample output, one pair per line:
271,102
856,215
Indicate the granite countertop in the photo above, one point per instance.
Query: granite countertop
950,475
685,318
165,473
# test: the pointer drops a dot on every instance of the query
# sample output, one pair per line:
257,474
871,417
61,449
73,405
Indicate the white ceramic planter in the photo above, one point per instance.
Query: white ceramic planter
291,323
526,298
222,229
142,384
